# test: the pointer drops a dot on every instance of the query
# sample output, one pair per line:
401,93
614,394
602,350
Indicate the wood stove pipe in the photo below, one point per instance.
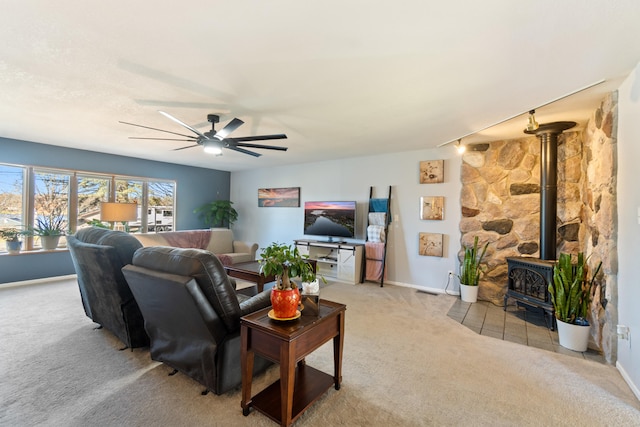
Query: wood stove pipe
548,135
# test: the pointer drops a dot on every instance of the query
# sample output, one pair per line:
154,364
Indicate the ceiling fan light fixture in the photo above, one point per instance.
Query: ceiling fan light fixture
531,123
212,147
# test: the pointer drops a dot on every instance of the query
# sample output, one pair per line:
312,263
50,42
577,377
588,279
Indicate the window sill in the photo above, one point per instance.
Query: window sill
35,251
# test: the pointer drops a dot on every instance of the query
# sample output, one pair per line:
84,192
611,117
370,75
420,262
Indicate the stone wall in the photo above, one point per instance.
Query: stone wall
600,221
500,201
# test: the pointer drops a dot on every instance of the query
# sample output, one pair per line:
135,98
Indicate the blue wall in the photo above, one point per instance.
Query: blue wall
194,187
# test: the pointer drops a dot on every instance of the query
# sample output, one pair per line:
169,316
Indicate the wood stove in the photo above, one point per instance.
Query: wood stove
528,282
529,277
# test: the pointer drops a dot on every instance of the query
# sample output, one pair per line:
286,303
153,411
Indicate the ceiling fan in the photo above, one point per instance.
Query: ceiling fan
214,141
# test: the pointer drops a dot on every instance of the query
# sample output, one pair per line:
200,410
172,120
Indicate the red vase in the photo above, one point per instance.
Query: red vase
285,302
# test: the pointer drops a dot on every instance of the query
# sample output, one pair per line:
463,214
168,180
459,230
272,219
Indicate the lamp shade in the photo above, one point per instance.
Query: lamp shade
116,212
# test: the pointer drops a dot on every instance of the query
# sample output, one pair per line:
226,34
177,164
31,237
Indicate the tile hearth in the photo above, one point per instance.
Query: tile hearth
519,325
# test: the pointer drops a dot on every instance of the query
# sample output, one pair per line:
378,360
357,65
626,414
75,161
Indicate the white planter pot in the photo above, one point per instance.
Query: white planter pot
469,293
573,337
49,243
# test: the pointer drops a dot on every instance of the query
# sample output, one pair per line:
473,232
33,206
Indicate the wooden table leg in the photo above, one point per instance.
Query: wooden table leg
246,366
338,344
287,381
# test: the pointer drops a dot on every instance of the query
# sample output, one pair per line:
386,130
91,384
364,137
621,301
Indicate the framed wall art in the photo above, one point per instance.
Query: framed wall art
432,207
279,197
430,244
431,171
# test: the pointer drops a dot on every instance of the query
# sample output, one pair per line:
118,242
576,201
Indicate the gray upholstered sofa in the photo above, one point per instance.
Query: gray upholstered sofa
219,241
192,313
98,256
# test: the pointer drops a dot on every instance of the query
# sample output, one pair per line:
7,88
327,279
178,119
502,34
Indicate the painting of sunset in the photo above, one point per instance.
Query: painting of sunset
279,197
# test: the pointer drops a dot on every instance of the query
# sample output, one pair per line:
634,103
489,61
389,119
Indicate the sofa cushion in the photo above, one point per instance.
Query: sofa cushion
235,258
151,239
221,241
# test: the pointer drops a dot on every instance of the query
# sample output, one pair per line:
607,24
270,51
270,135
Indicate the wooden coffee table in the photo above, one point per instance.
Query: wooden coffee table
288,343
249,271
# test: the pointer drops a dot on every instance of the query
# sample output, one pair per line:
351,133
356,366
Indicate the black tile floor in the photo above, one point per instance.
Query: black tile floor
516,324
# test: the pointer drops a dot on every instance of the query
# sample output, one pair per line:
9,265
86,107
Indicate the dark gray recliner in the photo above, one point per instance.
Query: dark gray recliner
98,256
192,313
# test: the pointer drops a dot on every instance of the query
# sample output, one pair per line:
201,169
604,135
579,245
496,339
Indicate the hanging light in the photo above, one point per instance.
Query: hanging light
531,123
212,147
460,148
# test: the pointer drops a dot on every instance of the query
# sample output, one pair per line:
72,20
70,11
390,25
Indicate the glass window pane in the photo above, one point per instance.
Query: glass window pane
51,204
161,196
130,191
11,181
91,191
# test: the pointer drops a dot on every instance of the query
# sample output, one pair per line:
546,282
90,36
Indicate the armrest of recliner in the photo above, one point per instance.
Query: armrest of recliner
255,303
245,248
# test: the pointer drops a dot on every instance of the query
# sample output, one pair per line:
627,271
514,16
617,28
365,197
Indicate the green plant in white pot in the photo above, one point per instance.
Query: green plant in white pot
571,298
219,213
49,229
470,271
12,238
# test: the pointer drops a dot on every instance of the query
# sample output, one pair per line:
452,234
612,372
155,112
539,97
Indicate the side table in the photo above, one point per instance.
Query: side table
288,343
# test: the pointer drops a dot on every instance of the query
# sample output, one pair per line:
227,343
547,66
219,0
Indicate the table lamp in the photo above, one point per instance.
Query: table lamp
118,213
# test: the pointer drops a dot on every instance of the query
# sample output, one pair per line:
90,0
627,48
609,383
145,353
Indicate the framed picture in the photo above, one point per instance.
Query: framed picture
279,197
430,244
431,171
432,207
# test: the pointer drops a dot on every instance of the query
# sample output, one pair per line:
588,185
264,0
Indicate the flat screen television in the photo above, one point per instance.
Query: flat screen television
331,219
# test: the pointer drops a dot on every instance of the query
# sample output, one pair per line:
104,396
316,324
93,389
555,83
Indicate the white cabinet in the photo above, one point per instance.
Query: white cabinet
337,261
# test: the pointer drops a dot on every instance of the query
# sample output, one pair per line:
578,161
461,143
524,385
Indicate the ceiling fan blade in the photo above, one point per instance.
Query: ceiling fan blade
161,130
242,150
188,146
162,139
181,123
260,137
230,127
266,147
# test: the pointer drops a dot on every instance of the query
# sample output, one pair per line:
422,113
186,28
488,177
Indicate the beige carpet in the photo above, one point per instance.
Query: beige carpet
405,364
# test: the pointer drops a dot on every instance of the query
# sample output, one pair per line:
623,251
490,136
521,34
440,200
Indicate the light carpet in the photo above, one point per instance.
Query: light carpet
405,364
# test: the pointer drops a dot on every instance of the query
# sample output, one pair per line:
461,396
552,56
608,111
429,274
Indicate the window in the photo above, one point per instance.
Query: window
161,206
50,202
11,206
73,198
91,191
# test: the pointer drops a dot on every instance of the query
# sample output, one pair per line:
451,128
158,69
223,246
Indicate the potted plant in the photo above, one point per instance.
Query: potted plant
12,238
217,213
470,270
49,229
571,298
285,262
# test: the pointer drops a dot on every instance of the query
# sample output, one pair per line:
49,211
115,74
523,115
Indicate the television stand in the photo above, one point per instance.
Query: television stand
335,260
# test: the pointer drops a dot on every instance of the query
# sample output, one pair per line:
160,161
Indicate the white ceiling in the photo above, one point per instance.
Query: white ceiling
340,78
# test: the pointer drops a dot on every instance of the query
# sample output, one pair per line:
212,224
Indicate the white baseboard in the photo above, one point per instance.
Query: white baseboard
37,281
426,289
628,380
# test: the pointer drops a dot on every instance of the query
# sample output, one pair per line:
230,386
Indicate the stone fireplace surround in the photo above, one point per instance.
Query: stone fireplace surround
500,201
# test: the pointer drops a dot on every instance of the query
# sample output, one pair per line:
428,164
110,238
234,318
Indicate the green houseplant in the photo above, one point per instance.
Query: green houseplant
12,238
470,271
49,229
285,262
570,294
217,213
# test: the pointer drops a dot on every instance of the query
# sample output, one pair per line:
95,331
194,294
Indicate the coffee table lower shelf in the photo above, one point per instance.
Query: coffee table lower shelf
310,384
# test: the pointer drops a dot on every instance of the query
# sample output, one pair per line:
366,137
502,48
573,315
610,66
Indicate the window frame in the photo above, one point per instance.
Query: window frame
28,196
